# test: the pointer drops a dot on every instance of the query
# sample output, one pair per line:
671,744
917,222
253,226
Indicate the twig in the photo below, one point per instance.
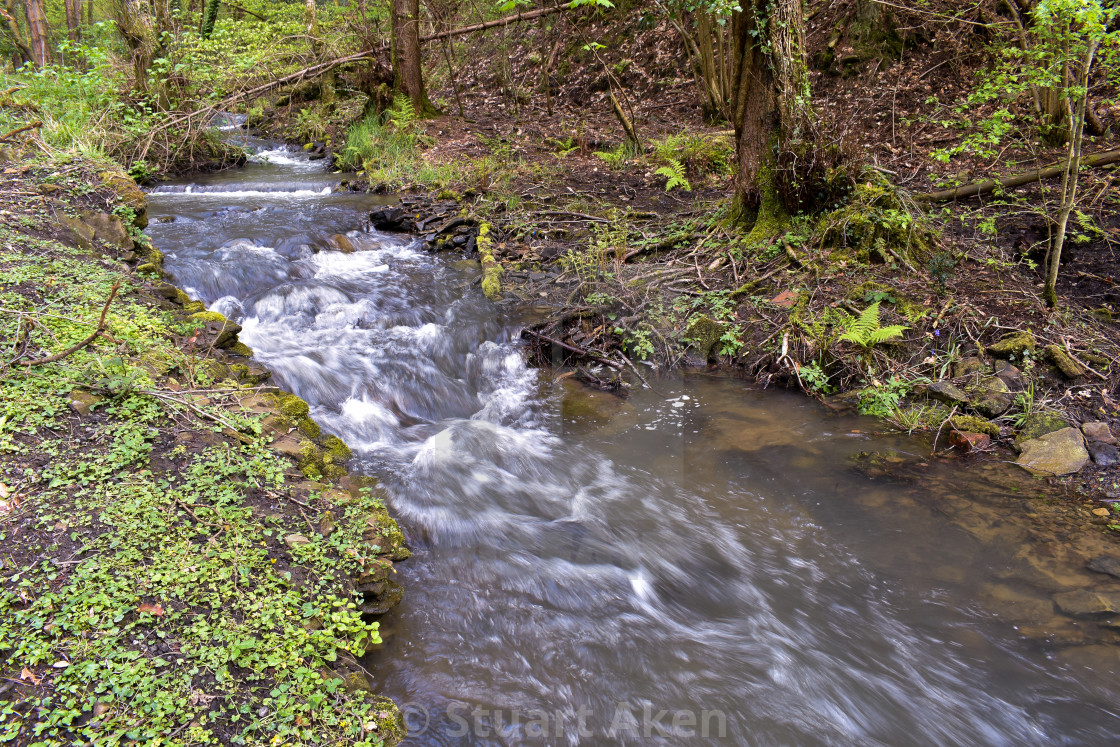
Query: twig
75,348
580,351
943,422
19,130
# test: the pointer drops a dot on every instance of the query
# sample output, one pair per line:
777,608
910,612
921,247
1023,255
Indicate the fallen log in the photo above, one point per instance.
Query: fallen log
988,185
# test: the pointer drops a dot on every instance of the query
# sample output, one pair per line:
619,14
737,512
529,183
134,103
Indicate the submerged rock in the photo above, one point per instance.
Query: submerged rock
1087,603
1061,452
1105,564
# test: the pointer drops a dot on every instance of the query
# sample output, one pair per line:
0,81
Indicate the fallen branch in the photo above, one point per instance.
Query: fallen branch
93,336
20,130
504,21
988,185
579,351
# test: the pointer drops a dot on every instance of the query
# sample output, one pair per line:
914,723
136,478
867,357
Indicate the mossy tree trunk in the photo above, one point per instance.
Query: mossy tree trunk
771,104
408,69
209,18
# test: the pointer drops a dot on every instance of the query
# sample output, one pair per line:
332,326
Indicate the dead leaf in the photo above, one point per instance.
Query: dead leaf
152,609
28,676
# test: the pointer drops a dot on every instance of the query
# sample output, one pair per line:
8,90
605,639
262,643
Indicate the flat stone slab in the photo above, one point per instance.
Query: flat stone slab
1059,453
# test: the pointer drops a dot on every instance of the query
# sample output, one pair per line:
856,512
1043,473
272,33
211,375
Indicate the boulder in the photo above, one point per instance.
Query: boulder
1013,345
1087,603
129,194
1059,453
1098,432
947,393
391,218
108,228
967,367
992,398
1105,455
1010,375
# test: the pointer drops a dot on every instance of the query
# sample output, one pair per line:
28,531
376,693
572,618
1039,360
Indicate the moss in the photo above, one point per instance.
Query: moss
309,428
973,424
875,225
149,269
337,449
1012,345
1070,368
704,333
1039,424
448,194
491,268
772,218
240,348
193,307
293,407
311,460
227,332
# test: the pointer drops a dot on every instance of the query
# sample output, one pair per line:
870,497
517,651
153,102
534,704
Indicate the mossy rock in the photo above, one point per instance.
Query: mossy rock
193,307
875,225
1070,368
1039,424
704,333
240,348
129,194
292,406
1012,345
973,424
226,330
336,449
491,268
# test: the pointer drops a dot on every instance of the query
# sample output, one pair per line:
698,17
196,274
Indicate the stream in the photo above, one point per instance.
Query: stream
705,563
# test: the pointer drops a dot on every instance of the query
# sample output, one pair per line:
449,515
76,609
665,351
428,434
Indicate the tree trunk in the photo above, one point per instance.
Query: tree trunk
74,19
408,71
1069,179
770,107
209,18
89,13
38,33
23,47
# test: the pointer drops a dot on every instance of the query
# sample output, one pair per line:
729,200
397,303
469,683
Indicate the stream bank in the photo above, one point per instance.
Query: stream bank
185,554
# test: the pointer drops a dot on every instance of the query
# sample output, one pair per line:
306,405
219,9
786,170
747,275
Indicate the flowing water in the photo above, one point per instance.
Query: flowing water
700,564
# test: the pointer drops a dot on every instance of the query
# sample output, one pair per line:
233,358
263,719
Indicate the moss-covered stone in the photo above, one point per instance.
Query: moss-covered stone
292,406
875,225
129,195
1070,368
1012,345
336,449
1039,424
226,330
193,307
704,333
240,348
972,424
491,268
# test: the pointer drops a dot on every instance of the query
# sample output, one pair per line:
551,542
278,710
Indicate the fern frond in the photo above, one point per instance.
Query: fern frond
886,334
675,175
863,326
